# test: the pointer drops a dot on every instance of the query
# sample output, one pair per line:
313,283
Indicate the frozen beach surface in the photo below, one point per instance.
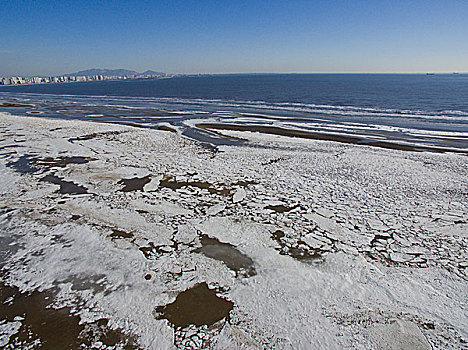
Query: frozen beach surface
142,238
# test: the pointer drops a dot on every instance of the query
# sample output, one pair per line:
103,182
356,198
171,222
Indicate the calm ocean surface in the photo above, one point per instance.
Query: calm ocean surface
417,109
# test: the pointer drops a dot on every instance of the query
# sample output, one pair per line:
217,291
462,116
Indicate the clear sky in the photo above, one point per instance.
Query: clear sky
209,36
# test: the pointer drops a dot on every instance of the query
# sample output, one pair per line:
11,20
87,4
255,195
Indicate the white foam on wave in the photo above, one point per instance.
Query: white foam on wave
336,110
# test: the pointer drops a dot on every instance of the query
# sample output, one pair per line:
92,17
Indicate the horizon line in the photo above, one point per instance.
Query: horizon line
257,73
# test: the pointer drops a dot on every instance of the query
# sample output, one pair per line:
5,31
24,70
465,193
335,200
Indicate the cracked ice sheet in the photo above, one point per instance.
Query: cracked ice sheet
288,304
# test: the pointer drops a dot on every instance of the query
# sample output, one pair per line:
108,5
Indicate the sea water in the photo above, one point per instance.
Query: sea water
417,109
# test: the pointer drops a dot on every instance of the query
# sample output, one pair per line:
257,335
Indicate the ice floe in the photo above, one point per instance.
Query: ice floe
289,243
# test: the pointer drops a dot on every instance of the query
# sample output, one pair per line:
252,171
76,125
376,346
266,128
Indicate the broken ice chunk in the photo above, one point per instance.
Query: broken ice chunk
239,195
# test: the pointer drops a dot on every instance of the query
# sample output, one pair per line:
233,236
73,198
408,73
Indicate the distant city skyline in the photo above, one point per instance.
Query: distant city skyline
50,38
82,76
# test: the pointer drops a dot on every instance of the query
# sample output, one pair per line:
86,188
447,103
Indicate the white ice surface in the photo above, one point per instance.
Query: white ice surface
391,224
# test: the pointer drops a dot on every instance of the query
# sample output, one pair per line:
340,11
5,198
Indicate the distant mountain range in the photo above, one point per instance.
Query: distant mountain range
112,72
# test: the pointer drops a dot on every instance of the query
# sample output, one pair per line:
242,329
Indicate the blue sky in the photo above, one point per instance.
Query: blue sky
54,37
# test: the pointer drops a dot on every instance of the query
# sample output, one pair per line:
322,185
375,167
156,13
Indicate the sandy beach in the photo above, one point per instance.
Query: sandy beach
133,237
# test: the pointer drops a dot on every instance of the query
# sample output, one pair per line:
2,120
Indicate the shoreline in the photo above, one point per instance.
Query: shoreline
378,127
274,130
297,243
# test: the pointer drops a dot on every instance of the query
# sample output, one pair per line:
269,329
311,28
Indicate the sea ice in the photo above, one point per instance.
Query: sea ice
349,246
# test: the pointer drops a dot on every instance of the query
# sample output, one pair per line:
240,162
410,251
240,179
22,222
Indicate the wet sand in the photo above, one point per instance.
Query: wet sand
273,130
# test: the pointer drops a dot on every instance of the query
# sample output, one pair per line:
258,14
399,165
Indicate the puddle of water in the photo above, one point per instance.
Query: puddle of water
66,187
134,184
53,328
300,252
228,254
280,208
23,165
198,305
170,182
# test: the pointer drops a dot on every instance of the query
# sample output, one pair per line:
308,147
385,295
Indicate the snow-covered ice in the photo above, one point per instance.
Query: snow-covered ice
352,246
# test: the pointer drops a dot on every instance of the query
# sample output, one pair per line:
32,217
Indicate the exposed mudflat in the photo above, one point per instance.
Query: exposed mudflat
127,237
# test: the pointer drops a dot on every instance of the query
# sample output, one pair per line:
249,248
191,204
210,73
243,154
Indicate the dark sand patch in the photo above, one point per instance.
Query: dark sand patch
274,130
66,187
150,252
379,237
382,251
135,125
54,328
83,138
6,154
228,254
94,135
173,184
198,305
135,183
61,162
244,183
167,128
272,161
116,234
15,105
26,163
300,251
153,251
280,208
9,146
